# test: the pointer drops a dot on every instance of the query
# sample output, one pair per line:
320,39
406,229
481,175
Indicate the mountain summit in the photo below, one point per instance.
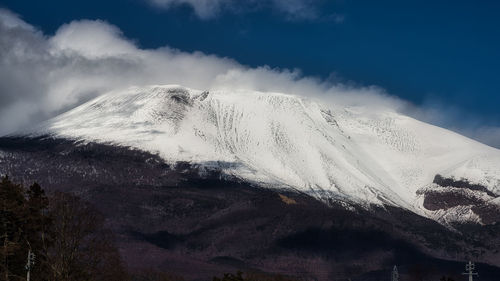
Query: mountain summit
331,152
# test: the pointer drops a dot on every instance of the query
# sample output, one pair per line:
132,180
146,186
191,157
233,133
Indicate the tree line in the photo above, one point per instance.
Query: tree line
69,239
66,235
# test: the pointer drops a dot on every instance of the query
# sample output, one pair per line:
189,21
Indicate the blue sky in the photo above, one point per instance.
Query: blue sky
442,55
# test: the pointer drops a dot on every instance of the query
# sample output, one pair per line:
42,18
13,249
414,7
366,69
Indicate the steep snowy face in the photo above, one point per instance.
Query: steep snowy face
286,141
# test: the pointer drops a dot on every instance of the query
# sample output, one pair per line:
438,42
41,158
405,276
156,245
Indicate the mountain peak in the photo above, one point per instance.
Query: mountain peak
286,141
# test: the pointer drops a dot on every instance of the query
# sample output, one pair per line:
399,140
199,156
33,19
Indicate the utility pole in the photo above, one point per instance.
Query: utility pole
395,274
469,268
29,264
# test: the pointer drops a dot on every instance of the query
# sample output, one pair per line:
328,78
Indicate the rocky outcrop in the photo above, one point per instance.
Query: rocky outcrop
462,198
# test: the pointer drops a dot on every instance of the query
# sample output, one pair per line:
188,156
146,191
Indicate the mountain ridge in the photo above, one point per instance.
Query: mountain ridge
279,140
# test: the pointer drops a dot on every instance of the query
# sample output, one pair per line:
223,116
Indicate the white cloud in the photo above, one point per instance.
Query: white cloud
91,39
297,9
41,76
203,8
206,9
11,20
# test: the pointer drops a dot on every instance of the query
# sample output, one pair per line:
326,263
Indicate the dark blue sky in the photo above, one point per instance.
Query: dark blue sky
437,52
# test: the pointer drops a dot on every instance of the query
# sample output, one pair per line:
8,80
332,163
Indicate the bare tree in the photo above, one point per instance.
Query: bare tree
82,248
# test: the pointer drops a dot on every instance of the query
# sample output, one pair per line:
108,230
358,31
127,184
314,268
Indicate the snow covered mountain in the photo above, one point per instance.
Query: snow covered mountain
283,141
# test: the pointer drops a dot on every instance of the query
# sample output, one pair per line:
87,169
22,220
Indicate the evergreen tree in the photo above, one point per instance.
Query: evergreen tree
14,247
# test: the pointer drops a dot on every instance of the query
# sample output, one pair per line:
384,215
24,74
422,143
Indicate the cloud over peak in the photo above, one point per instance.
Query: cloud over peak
42,76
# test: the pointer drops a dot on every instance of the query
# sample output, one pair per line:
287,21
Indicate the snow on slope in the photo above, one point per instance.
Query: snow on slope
282,140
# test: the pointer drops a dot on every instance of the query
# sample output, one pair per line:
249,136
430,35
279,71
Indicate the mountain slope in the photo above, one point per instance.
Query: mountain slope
349,155
179,217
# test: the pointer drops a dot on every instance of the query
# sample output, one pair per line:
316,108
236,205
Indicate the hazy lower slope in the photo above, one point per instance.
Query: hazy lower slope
286,141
